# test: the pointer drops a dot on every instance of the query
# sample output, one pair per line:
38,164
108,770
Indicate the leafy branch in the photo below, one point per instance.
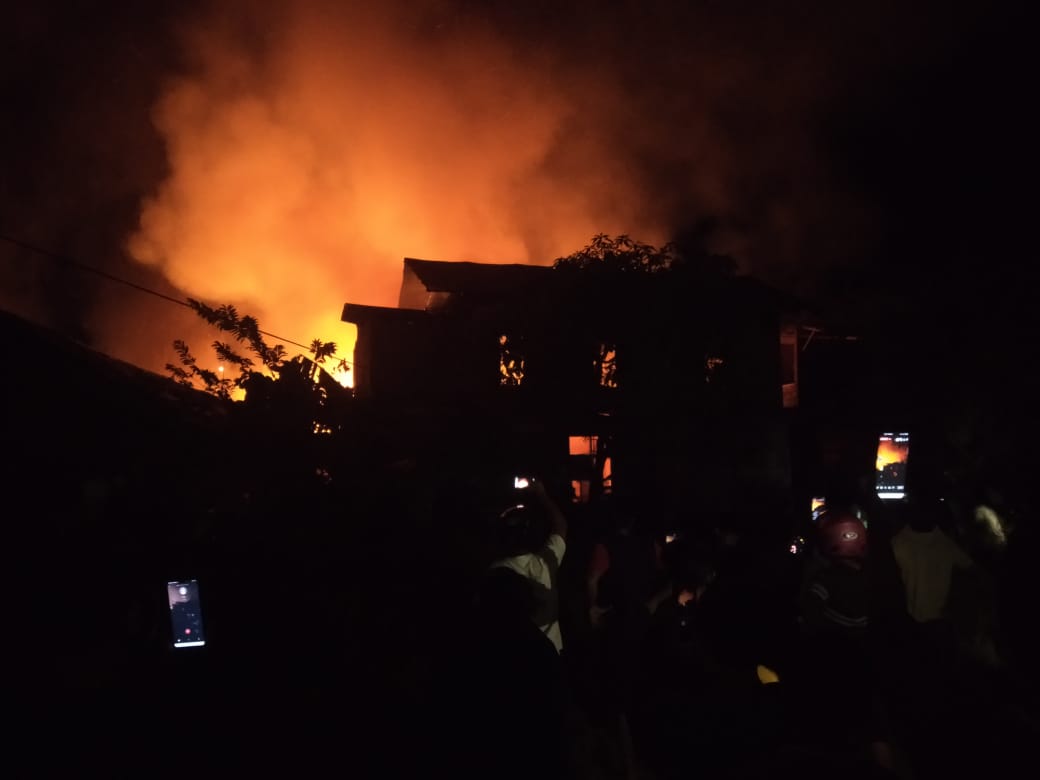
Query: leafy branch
267,360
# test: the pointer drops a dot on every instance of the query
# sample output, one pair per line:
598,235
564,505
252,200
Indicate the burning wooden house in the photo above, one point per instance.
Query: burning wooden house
669,383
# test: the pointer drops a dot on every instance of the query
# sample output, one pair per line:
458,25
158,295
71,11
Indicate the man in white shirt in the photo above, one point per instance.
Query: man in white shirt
927,559
535,557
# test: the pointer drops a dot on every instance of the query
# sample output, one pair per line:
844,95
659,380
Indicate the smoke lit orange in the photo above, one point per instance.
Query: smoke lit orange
306,165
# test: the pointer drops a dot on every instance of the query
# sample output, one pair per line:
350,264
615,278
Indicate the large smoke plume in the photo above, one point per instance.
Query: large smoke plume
315,144
312,150
311,145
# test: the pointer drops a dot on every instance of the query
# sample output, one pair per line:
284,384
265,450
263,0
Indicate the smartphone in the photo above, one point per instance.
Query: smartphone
521,482
185,613
893,452
819,504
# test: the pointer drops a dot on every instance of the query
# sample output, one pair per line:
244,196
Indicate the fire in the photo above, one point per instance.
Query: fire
891,452
344,377
306,163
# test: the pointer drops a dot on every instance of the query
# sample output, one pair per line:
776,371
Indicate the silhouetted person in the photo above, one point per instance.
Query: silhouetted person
836,673
526,548
511,693
626,576
927,559
626,583
1019,595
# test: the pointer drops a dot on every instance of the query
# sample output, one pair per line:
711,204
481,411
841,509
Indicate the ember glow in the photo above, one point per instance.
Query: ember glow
308,160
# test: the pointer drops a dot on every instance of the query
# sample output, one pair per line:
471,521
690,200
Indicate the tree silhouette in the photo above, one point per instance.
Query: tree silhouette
648,308
299,388
623,254
620,254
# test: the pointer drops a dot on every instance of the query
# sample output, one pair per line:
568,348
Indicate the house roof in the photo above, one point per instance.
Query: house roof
475,278
358,313
73,368
487,278
427,283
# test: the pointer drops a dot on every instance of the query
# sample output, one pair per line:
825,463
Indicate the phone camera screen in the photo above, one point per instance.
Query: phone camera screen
819,505
893,452
185,613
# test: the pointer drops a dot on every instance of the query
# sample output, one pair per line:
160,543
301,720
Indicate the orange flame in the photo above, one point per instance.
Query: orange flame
305,167
891,452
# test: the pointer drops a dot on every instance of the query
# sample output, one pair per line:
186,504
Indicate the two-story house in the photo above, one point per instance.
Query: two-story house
669,383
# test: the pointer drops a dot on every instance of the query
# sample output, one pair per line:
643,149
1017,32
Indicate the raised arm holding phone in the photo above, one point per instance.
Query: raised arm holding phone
557,519
529,552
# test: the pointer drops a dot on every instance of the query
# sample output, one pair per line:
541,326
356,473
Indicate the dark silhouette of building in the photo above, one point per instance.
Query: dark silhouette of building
668,382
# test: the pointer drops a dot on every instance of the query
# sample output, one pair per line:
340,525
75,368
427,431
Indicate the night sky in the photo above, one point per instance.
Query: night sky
877,155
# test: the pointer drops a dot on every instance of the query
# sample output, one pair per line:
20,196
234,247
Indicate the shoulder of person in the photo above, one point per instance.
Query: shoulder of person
517,563
557,545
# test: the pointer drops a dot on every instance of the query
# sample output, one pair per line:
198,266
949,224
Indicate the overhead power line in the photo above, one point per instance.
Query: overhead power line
81,266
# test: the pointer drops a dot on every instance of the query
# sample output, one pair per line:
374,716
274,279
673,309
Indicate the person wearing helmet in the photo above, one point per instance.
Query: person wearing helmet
834,598
834,617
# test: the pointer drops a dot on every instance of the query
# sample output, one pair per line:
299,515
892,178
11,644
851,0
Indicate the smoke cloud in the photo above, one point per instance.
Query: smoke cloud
312,152
306,147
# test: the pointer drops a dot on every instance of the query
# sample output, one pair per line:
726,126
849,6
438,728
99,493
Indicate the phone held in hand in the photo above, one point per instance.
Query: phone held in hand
521,483
893,453
185,613
819,506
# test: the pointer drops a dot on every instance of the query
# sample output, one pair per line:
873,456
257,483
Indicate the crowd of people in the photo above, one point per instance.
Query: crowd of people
868,642
523,635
